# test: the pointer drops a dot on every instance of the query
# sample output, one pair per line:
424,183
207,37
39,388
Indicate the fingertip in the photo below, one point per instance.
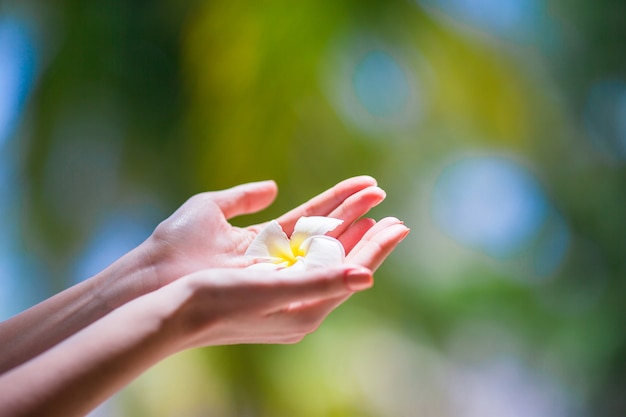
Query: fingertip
377,244
357,205
358,278
262,184
394,233
371,194
391,220
363,179
379,193
246,198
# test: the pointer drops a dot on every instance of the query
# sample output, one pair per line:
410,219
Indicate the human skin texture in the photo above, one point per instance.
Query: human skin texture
186,286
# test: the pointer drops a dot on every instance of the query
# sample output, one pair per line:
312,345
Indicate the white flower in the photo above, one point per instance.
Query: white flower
307,248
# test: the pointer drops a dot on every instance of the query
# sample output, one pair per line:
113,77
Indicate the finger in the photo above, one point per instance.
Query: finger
318,308
245,198
378,243
286,287
354,207
324,203
355,233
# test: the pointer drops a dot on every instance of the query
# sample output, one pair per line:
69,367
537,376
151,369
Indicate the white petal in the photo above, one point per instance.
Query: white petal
298,266
316,225
271,242
323,251
312,226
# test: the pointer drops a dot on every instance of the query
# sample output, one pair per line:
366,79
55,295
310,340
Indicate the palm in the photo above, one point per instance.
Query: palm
199,236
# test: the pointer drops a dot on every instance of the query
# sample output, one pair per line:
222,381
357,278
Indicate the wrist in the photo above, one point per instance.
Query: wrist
176,309
126,279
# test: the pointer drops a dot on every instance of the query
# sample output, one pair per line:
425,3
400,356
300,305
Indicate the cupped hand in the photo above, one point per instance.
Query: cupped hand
199,236
233,306
370,250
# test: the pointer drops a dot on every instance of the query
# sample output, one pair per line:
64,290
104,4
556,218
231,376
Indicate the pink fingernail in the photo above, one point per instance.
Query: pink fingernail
358,279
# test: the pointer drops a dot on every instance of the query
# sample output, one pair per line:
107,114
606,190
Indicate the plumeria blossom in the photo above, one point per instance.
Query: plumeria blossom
307,248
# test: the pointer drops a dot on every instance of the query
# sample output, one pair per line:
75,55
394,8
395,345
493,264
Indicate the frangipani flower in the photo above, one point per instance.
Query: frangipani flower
307,248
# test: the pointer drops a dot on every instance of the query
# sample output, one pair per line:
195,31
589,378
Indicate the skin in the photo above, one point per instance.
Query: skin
186,286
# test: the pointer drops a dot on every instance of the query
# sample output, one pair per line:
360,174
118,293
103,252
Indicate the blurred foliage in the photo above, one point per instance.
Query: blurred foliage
137,105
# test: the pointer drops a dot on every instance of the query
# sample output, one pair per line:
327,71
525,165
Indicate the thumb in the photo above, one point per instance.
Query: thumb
245,198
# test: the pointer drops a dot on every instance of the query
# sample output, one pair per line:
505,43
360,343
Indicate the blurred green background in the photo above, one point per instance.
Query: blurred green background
497,128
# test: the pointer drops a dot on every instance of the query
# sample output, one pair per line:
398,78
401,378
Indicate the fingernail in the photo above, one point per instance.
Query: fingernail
358,279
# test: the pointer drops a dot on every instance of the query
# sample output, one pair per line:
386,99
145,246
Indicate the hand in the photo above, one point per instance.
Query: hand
140,311
233,306
211,307
370,251
229,306
198,235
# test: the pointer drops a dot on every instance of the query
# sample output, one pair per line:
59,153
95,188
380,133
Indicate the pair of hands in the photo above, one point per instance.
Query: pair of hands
186,286
198,249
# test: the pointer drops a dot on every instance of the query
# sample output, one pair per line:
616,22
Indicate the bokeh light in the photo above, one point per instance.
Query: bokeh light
493,204
380,84
376,87
22,279
490,203
517,20
17,72
497,129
